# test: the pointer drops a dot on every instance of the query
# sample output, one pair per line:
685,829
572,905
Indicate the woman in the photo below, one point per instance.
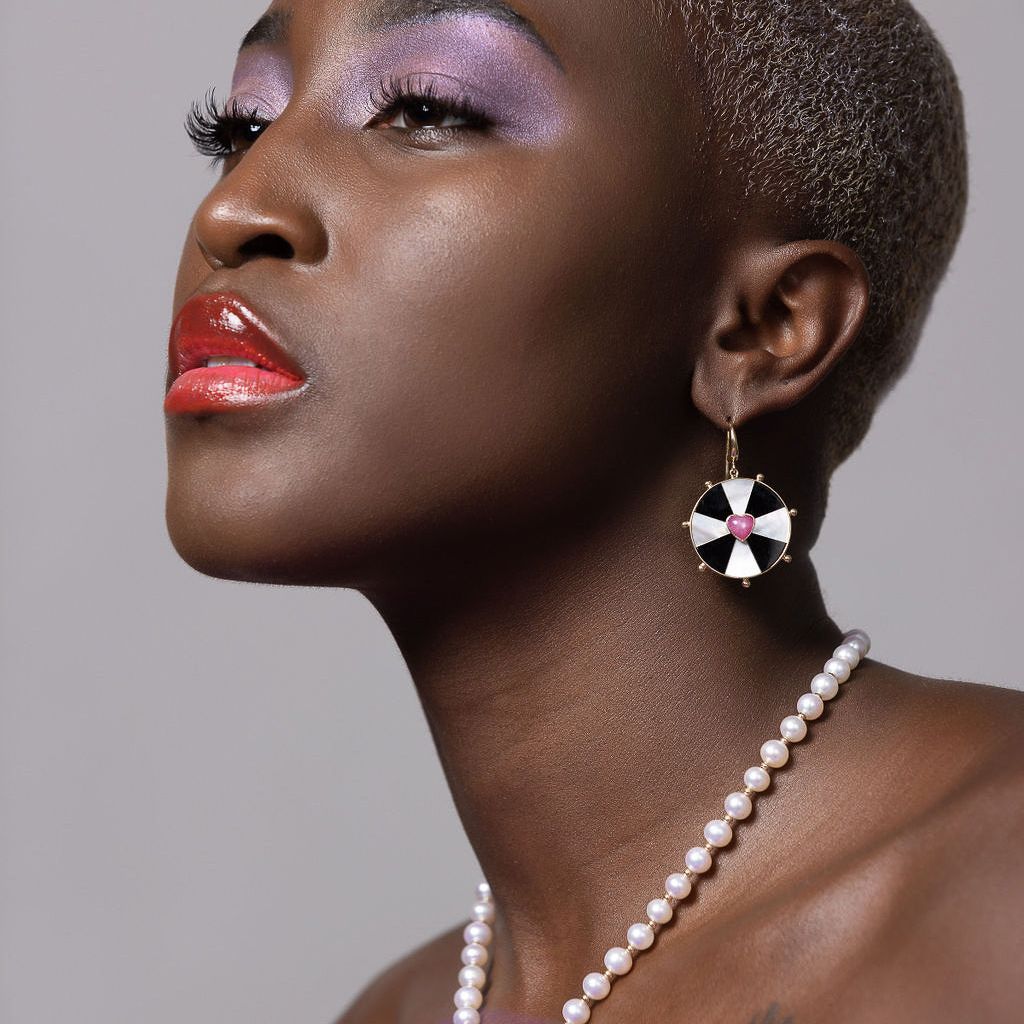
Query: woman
479,295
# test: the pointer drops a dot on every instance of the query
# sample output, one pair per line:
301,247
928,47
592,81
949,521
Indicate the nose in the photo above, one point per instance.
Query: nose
260,208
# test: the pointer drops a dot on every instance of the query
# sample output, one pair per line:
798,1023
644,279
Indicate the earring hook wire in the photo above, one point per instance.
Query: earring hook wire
732,452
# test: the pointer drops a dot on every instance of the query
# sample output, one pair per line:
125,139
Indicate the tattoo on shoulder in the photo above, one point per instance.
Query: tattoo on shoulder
773,1015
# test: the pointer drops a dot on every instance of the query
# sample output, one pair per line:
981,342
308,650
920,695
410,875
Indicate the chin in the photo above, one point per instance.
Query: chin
227,549
235,512
283,535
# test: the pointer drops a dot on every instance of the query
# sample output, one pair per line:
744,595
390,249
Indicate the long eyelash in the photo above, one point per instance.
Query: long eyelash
214,128
393,93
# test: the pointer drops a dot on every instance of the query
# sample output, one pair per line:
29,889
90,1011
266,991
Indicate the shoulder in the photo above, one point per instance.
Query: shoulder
954,931
919,879
979,823
960,750
955,724
412,980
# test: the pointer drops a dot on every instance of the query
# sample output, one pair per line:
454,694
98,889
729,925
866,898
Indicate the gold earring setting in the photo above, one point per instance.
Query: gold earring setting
740,527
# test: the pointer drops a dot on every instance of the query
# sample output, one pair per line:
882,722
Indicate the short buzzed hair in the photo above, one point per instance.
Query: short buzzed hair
845,118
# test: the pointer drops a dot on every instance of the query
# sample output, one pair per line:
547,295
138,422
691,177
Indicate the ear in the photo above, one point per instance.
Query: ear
785,315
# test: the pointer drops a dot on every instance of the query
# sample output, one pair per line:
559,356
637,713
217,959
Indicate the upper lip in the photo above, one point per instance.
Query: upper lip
222,324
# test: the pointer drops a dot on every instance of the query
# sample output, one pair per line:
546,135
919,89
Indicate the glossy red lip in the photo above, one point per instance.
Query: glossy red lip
221,324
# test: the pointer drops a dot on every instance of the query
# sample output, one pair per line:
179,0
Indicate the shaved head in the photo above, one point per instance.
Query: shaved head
843,119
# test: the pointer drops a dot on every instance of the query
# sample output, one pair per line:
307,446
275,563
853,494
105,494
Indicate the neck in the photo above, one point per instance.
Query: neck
592,706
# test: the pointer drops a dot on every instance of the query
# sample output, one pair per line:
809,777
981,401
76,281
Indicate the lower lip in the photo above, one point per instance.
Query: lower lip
209,389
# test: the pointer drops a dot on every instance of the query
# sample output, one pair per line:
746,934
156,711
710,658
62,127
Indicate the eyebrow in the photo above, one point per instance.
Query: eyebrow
273,26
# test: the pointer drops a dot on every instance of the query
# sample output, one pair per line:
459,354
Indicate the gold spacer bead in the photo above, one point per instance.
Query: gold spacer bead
631,949
746,583
786,558
759,478
766,767
708,485
609,974
709,847
748,790
728,819
792,512
686,525
689,872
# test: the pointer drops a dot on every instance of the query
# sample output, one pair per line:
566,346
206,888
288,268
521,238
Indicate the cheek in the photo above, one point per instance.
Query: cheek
497,348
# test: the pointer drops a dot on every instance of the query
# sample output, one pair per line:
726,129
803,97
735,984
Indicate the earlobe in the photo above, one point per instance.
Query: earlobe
785,316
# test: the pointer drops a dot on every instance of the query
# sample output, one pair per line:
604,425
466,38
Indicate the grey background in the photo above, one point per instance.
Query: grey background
196,827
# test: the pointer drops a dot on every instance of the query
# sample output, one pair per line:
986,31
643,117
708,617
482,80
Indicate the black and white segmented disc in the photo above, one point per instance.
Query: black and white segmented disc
724,537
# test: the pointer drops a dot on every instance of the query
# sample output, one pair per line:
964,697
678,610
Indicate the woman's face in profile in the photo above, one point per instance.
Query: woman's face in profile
476,238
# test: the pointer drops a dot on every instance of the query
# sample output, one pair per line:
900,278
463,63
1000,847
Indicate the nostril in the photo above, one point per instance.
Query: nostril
267,245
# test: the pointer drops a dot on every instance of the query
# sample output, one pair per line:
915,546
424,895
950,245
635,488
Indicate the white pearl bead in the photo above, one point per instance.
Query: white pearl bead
698,859
826,686
810,705
469,998
474,953
848,653
597,986
477,931
793,728
718,832
484,912
774,753
472,977
576,1011
859,644
618,960
738,805
466,1016
838,668
678,886
483,892
859,639
659,910
640,935
756,778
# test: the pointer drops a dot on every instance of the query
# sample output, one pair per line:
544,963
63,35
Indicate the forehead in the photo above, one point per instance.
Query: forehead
274,26
578,36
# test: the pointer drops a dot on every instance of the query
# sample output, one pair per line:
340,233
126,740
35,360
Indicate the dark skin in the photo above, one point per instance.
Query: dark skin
520,361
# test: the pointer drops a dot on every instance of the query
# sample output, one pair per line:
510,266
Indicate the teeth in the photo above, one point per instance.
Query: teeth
228,361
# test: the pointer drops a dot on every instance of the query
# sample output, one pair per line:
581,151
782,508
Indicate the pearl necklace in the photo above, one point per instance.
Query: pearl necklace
618,960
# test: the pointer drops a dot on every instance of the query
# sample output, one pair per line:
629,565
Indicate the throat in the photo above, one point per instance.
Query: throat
590,716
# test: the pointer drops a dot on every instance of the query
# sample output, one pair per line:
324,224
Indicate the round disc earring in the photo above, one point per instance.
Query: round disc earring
740,527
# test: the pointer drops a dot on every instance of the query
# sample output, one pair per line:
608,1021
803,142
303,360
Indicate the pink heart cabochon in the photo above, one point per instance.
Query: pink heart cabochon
741,527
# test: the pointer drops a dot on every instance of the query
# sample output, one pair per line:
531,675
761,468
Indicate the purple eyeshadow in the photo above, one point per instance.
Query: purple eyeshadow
497,69
263,79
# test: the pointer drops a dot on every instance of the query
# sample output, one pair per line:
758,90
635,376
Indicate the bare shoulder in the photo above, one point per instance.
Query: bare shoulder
965,743
977,827
919,881
385,997
953,944
963,723
1006,697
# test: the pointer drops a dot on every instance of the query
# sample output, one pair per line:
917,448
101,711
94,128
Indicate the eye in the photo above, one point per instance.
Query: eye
417,104
223,131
